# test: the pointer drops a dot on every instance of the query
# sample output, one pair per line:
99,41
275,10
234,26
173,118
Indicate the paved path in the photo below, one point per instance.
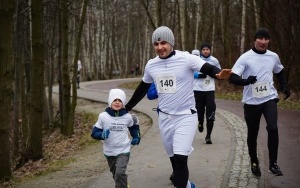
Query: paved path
288,151
225,163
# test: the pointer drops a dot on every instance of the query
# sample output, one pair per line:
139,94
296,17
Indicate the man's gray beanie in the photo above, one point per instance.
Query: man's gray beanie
163,33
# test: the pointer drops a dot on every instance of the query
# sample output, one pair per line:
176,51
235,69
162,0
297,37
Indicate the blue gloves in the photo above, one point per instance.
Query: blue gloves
199,75
135,133
152,92
105,134
196,74
99,134
135,140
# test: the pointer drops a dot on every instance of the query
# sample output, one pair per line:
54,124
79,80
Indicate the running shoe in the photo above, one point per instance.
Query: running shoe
172,178
274,169
208,140
193,185
200,128
255,169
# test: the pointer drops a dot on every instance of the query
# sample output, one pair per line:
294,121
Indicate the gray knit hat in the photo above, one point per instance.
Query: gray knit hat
163,33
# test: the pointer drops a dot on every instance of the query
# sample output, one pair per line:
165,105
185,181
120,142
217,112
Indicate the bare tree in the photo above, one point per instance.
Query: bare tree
18,63
183,26
226,35
214,7
197,21
147,4
51,48
244,4
35,146
256,13
71,113
158,4
66,85
25,79
6,82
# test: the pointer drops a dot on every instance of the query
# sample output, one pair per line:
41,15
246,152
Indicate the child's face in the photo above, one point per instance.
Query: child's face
117,104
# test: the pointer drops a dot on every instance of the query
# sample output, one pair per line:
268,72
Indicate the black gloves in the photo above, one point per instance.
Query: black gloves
286,91
251,80
283,83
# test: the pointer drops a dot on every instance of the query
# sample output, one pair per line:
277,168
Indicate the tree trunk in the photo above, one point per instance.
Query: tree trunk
158,13
150,19
74,82
35,147
66,86
213,27
256,13
197,25
6,82
102,46
227,34
18,28
243,25
182,12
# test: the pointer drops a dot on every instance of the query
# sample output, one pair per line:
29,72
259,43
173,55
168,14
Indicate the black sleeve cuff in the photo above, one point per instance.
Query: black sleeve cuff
202,76
138,95
237,80
210,70
281,79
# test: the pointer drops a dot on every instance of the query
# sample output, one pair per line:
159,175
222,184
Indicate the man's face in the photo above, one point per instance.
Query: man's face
261,43
162,48
205,51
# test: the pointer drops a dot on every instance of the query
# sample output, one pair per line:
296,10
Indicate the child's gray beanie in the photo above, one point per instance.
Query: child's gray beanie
163,33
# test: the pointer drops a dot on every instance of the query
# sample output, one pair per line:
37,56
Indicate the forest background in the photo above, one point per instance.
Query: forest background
42,41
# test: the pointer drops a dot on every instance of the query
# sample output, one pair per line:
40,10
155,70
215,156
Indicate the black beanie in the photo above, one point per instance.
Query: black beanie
205,45
262,32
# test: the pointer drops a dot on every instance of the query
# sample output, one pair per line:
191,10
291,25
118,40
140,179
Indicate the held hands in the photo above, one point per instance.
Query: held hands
105,134
224,74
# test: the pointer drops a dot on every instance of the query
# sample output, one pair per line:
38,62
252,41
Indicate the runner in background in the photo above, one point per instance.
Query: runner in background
79,67
204,90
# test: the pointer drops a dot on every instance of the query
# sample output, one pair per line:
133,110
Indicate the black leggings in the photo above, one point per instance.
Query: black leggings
181,171
205,102
252,115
